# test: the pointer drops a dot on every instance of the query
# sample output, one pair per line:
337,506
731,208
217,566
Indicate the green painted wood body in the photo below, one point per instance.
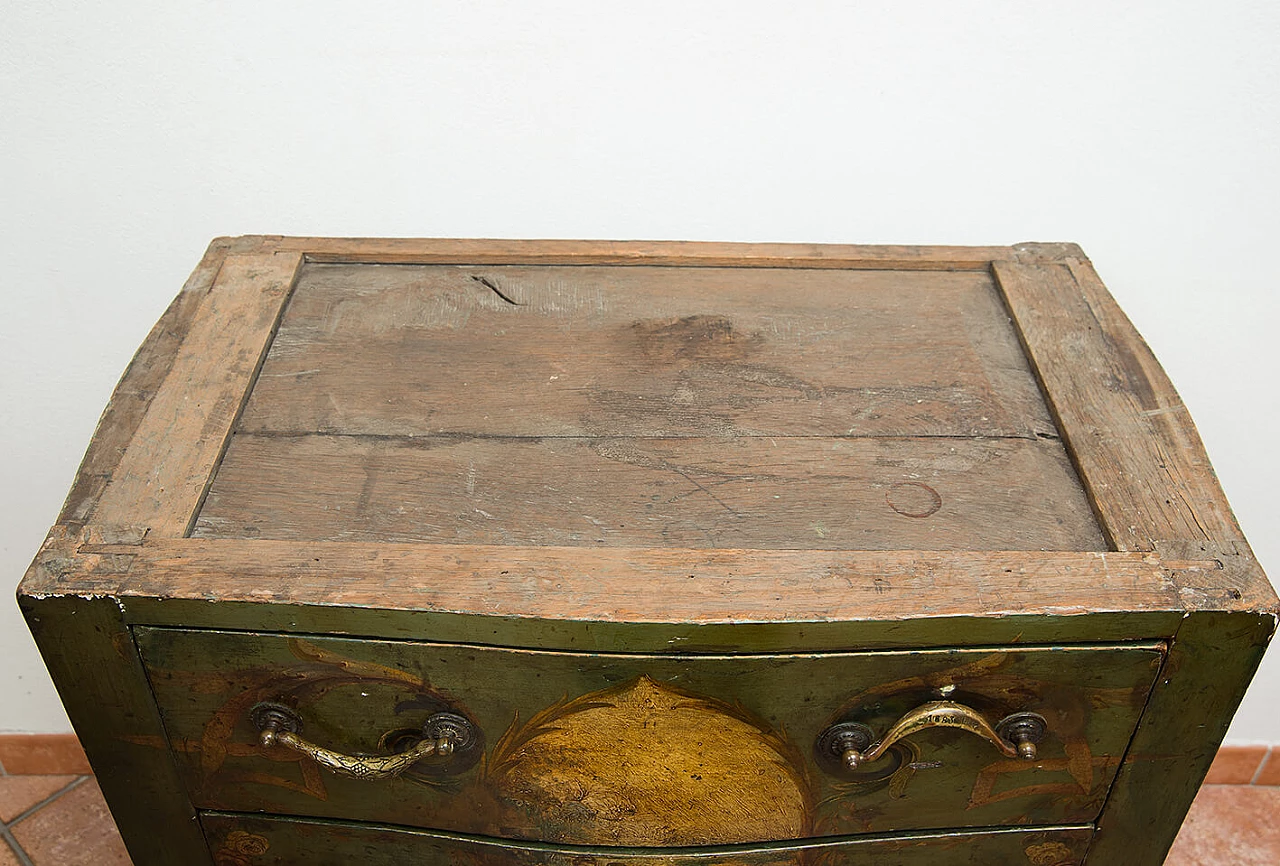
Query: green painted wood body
95,665
1204,678
244,840
351,694
595,636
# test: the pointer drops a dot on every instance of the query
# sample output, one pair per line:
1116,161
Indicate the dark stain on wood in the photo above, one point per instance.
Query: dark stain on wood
693,339
913,499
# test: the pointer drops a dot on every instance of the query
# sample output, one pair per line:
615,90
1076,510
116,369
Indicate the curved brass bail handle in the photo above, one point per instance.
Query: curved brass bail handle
279,725
1015,736
373,767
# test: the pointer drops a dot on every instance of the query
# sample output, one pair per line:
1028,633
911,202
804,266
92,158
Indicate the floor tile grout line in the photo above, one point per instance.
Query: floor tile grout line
31,810
1262,765
18,853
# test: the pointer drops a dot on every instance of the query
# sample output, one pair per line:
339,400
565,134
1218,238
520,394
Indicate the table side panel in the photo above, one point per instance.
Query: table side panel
95,665
1209,666
162,477
1137,450
146,372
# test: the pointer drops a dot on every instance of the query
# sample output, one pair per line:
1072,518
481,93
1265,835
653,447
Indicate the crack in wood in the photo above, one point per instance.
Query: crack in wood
493,287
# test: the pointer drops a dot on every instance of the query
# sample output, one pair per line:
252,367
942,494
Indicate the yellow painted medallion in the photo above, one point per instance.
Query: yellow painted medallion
646,764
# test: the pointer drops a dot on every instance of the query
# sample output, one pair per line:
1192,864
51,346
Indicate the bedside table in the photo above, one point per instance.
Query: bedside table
549,552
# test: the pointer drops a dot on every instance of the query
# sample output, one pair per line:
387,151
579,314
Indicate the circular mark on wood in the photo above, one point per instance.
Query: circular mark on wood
913,499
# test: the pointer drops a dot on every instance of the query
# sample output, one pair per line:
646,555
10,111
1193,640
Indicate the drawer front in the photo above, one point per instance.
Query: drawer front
633,750
243,840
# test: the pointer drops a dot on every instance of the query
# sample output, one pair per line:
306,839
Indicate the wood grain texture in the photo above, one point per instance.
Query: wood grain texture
644,351
653,750
1129,433
131,397
617,599
816,493
146,372
162,476
252,840
684,253
507,405
671,585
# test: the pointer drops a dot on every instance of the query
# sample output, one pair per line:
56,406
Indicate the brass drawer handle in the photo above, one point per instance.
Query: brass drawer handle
1015,736
443,734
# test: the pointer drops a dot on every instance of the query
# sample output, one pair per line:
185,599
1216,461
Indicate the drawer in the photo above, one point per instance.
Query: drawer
244,840
646,750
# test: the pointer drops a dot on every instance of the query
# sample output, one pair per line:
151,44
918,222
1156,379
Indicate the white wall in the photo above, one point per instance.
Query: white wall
132,133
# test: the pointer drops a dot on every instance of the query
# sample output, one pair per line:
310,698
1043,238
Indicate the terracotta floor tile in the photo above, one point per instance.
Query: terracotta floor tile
20,793
74,830
1230,825
1270,772
1235,765
42,754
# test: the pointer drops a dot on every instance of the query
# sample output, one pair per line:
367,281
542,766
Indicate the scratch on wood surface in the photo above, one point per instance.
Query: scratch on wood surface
290,373
628,455
685,475
1194,564
1167,410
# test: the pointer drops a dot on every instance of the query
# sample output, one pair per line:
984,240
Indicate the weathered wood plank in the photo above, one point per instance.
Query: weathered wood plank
815,493
671,585
649,351
95,665
649,585
1210,663
624,352
696,599
1138,453
162,476
333,843
683,253
146,372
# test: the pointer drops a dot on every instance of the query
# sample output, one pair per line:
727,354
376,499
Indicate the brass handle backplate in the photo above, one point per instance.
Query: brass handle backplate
846,746
444,735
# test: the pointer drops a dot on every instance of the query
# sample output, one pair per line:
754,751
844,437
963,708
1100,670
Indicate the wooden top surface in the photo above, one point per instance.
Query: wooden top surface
632,407
648,406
